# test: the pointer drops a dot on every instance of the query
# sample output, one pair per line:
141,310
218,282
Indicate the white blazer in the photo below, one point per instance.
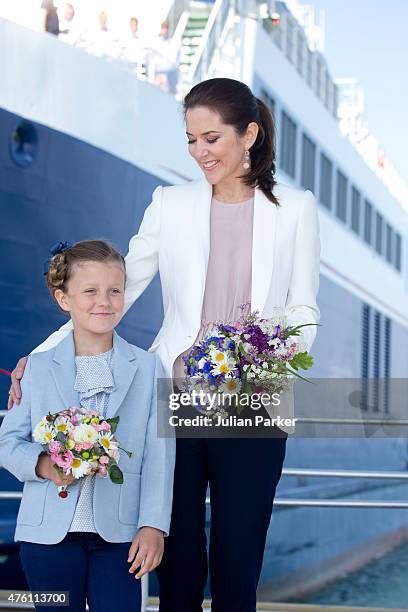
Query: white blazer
174,239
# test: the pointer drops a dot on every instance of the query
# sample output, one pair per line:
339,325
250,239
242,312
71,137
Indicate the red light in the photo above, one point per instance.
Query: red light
275,19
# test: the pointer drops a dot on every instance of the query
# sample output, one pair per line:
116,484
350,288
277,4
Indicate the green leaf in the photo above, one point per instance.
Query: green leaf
115,474
302,361
114,422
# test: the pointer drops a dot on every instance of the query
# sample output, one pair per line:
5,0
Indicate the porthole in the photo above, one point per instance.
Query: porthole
23,144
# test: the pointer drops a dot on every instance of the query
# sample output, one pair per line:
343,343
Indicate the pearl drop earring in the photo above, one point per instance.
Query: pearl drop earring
247,161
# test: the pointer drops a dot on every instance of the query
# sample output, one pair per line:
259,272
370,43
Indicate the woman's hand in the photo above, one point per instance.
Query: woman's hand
147,548
15,389
45,469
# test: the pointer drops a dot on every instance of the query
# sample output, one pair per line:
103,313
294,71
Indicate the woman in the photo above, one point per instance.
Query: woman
217,242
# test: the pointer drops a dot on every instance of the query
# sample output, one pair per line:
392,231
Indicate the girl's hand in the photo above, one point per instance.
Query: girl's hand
15,389
45,469
147,547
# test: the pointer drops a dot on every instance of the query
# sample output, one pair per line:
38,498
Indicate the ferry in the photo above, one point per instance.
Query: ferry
84,142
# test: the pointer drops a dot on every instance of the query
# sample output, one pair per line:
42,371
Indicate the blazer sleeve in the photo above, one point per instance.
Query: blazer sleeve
301,306
142,264
142,260
158,464
18,454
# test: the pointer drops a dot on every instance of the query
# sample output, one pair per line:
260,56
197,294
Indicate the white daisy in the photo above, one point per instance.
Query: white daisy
63,424
105,440
224,367
44,433
230,386
80,468
217,356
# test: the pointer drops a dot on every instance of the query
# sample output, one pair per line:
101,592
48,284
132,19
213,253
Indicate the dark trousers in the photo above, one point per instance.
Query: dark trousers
242,474
86,566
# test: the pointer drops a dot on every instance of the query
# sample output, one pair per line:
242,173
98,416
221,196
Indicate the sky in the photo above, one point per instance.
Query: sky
368,40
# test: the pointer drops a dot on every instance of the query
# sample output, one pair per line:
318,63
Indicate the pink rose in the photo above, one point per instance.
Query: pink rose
102,471
105,426
64,461
54,457
99,427
114,453
87,445
54,446
78,447
104,460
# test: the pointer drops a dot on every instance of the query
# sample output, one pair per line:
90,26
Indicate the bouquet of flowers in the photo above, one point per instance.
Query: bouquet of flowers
252,353
81,443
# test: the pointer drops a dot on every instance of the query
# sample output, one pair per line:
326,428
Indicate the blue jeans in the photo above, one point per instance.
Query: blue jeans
86,566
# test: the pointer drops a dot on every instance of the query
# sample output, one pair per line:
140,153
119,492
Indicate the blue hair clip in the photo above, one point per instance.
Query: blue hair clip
59,247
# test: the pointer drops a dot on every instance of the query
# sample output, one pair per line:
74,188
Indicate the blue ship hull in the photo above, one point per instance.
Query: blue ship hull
71,191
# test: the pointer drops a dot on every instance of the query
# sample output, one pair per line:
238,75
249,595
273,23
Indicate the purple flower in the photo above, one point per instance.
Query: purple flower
207,367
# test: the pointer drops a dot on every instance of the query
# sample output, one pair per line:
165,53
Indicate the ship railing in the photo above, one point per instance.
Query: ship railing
150,604
212,39
306,502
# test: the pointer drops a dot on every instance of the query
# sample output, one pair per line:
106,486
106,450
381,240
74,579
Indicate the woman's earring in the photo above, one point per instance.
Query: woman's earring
247,161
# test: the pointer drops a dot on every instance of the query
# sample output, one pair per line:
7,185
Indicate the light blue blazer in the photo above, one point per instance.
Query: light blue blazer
145,497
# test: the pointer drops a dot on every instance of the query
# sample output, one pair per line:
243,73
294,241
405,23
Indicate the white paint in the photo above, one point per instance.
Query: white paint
101,103
94,100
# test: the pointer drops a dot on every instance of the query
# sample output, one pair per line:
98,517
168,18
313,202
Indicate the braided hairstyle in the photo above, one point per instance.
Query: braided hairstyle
62,264
238,107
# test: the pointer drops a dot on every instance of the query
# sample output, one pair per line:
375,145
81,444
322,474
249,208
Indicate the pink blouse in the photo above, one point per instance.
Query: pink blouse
229,272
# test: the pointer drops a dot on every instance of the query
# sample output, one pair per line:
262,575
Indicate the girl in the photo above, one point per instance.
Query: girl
235,236
91,543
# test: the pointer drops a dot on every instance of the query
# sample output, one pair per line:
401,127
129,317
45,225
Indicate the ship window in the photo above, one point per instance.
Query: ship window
309,67
327,92
308,163
388,243
323,77
355,210
368,212
289,39
387,363
326,174
23,144
376,364
335,99
268,100
288,145
365,351
398,252
378,233
300,45
318,77
341,196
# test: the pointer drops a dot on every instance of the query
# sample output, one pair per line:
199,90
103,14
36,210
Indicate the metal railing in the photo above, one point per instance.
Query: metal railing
210,41
323,503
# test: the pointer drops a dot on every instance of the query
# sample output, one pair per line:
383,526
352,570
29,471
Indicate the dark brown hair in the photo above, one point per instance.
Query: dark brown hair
62,264
237,106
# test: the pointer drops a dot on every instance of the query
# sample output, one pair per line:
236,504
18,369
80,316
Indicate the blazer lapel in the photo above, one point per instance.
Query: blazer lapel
63,371
203,210
124,370
263,248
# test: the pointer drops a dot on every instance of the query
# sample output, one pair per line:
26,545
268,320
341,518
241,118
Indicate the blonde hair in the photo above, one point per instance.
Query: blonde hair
62,264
